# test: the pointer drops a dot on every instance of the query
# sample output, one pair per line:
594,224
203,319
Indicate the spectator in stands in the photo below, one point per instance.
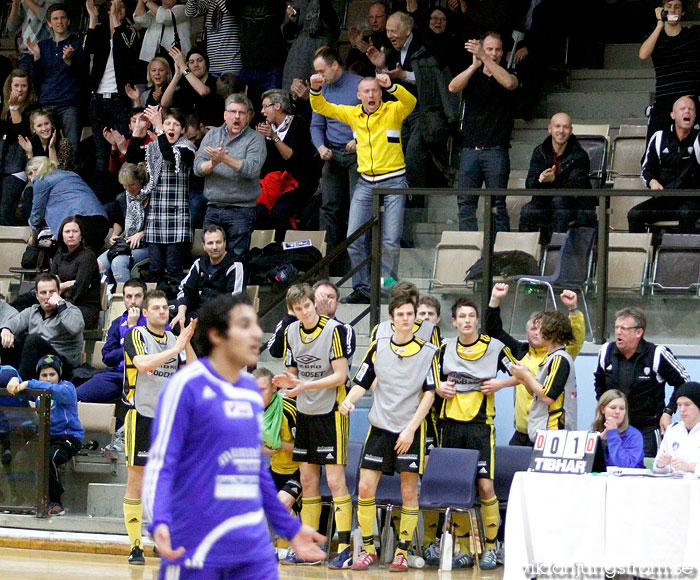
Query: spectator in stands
169,160
476,17
54,326
263,47
558,163
222,28
672,161
380,163
487,125
30,15
105,386
113,46
46,141
152,355
640,369
230,159
553,388
76,268
59,194
59,68
531,353
425,131
66,433
192,88
120,143
357,61
309,25
158,77
128,217
17,103
623,445
675,52
680,449
434,26
291,170
166,26
217,272
278,438
335,143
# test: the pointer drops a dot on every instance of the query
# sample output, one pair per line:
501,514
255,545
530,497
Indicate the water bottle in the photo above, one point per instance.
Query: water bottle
415,561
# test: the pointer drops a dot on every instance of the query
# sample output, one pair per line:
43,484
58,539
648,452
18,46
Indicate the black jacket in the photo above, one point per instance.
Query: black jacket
673,163
201,285
573,171
125,54
642,378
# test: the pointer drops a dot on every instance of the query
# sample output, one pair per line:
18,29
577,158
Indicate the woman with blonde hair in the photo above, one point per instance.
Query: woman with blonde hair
158,75
18,101
623,444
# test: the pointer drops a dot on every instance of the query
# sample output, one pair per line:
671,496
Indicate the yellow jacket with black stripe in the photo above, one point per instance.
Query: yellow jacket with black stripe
378,134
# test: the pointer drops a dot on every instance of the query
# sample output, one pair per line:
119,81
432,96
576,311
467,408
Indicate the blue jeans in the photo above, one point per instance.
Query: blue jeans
68,118
476,167
338,181
264,78
392,228
103,387
237,222
120,268
112,113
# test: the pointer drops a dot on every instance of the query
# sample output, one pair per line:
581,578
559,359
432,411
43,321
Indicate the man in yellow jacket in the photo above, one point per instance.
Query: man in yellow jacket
530,353
380,162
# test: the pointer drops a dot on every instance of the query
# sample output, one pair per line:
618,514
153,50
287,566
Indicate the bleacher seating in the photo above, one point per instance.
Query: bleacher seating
454,255
629,260
318,238
676,268
620,205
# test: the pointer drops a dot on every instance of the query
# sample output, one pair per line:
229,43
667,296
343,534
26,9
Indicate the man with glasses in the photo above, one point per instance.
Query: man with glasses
641,370
230,158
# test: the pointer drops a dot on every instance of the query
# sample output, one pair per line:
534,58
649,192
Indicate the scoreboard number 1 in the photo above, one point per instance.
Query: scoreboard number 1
558,451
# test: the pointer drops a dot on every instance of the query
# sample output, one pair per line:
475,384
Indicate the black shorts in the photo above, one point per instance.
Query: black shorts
432,431
137,438
321,439
379,454
290,483
479,436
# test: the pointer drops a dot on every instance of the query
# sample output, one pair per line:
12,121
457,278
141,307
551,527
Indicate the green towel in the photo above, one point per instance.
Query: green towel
273,422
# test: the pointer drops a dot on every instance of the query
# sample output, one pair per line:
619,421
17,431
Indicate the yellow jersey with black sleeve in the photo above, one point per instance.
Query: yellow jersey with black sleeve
468,366
282,462
311,352
378,134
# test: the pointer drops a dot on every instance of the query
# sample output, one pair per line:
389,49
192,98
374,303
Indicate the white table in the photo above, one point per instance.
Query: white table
580,522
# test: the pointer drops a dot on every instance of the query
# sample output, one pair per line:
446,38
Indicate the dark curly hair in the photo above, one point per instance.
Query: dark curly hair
556,327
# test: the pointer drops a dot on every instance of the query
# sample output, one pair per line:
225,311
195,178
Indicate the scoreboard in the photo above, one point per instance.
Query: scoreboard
564,451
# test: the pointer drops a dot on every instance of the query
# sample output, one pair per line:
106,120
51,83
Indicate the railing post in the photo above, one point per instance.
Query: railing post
601,307
42,460
375,271
487,254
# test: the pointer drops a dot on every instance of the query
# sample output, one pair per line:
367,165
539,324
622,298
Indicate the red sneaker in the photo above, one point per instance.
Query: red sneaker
364,561
399,564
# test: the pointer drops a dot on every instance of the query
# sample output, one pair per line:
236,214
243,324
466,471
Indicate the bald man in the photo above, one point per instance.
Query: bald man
558,163
672,161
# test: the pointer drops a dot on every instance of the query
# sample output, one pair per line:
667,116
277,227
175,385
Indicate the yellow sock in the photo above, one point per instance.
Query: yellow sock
311,511
490,517
281,543
430,524
409,520
133,514
366,514
343,520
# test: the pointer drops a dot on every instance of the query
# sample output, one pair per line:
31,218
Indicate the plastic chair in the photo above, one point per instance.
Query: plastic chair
449,485
597,148
676,268
571,272
509,460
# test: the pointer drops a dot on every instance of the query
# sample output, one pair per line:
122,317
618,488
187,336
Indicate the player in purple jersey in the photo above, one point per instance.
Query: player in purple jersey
207,489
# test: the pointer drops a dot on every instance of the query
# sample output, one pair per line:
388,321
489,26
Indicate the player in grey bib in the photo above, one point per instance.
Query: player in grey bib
469,375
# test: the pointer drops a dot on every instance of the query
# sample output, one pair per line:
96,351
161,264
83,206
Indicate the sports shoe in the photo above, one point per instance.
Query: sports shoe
364,560
399,563
388,283
293,560
357,296
431,554
136,557
489,560
56,509
342,560
462,560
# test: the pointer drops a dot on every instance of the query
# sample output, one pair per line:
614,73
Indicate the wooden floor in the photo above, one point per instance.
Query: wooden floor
43,565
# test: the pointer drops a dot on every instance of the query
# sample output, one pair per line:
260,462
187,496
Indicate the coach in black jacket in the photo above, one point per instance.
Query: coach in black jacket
558,163
217,272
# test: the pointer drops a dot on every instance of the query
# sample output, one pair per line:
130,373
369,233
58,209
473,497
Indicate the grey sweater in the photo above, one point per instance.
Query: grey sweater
226,186
64,329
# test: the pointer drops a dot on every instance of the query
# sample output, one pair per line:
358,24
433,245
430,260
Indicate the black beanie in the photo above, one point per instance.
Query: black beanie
690,390
50,360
